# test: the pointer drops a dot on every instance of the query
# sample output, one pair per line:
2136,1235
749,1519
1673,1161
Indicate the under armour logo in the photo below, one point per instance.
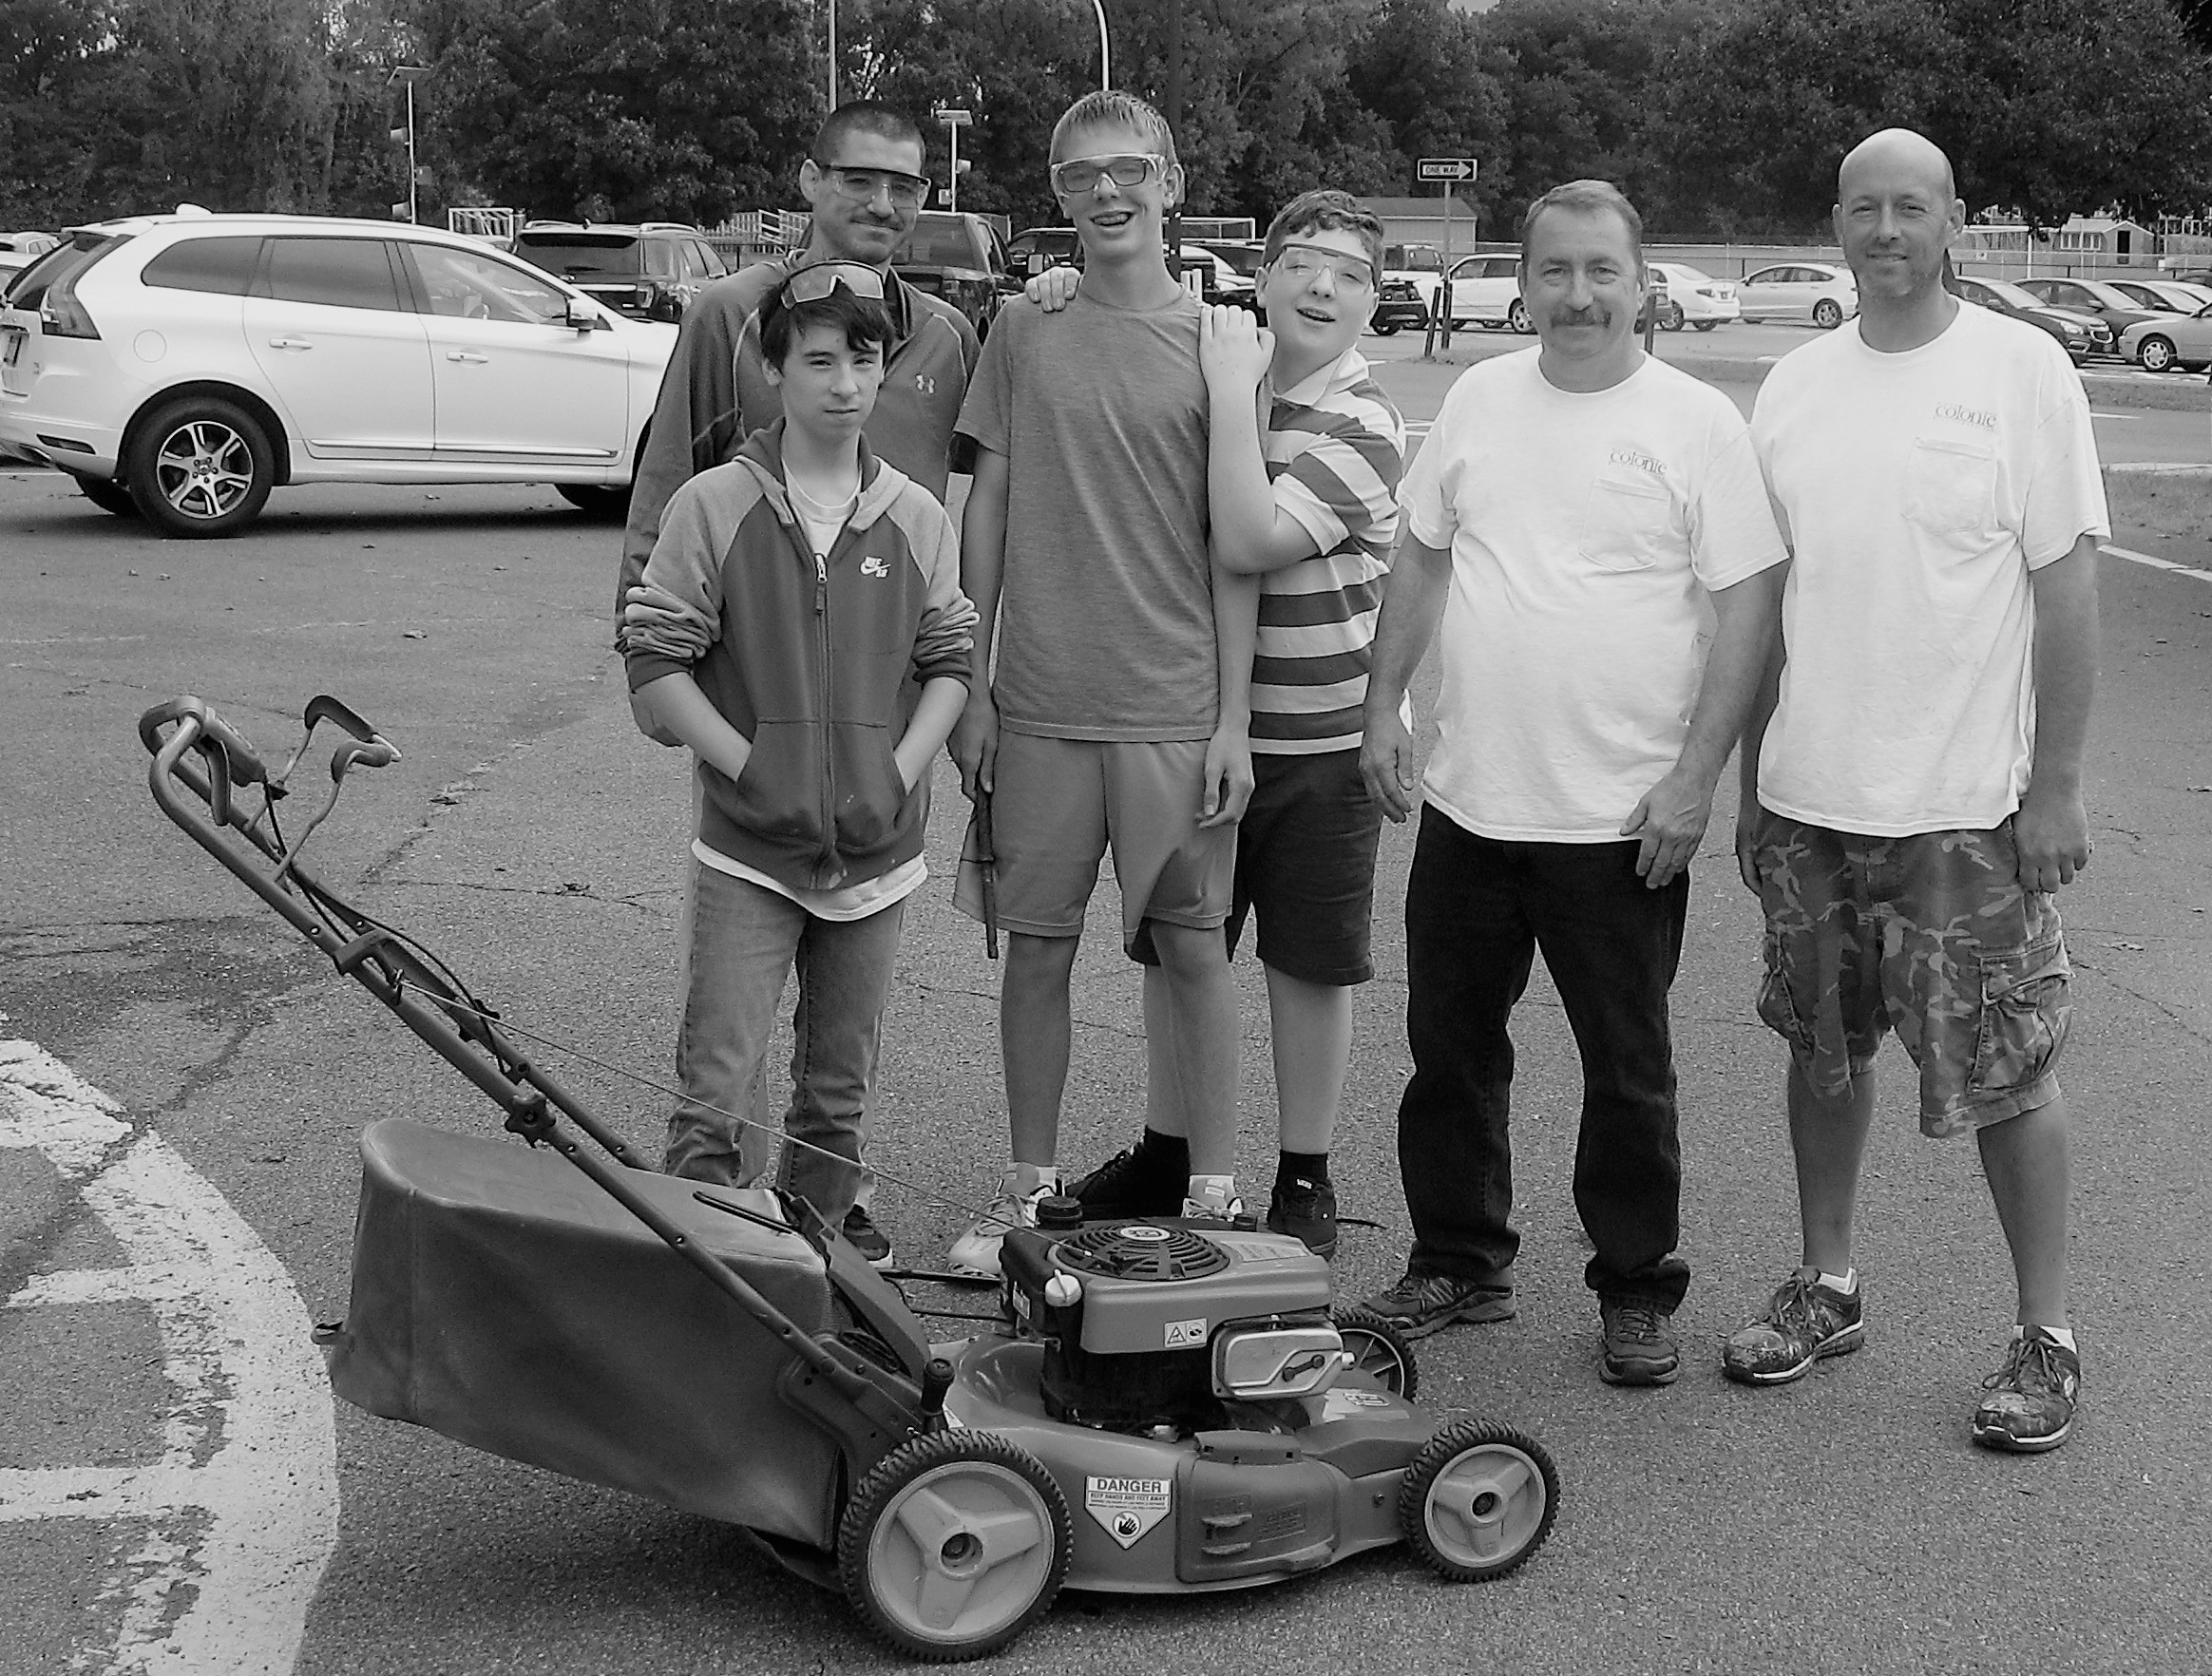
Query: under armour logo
873,565
925,384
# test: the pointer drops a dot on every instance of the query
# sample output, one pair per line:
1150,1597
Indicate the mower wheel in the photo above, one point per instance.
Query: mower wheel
1379,1350
1478,1500
954,1544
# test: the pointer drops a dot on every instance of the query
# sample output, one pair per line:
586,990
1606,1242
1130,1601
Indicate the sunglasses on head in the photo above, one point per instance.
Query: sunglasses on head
816,283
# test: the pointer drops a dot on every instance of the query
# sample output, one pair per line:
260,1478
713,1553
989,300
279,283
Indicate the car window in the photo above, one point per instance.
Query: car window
945,244
660,257
472,287
1501,266
28,289
337,272
582,256
1765,276
224,265
709,263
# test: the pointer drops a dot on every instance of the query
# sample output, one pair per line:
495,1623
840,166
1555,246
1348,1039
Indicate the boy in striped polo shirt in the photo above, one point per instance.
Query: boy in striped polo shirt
1310,506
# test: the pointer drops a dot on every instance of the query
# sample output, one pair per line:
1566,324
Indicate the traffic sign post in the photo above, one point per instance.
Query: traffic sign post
1446,172
955,120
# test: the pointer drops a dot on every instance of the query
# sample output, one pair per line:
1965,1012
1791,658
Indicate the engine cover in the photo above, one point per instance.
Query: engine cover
1142,1311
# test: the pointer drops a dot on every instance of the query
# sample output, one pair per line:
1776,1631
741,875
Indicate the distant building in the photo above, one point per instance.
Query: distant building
2100,239
1421,221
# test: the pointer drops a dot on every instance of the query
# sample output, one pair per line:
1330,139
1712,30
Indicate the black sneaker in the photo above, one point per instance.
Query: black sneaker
1639,1343
2032,1399
863,1235
1308,1210
1423,1303
1130,1184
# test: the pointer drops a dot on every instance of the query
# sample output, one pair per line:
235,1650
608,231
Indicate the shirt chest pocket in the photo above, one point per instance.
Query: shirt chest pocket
1951,487
1628,520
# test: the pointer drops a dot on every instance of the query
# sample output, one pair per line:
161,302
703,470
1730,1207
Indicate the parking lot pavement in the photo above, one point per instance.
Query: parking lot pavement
1841,1525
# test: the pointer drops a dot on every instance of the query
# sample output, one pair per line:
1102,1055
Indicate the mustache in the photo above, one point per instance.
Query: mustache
1590,316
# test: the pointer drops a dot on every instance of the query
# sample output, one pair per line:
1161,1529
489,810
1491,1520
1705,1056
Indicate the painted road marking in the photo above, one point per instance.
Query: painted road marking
243,1507
2157,563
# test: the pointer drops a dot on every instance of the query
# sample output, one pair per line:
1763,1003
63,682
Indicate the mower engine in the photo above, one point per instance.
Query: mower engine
1149,1325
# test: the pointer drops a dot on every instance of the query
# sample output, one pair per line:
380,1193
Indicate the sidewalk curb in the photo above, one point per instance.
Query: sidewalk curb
2175,393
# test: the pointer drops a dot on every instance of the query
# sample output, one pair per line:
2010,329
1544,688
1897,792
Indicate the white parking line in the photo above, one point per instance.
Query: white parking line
2157,563
243,1507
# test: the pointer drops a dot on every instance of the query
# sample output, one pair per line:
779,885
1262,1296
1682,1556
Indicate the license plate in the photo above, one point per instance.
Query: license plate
14,336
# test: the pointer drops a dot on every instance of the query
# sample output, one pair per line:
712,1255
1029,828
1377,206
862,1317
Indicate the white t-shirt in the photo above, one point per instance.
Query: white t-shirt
1586,532
1920,490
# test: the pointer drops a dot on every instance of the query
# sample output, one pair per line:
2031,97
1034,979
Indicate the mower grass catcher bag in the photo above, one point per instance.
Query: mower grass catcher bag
502,1300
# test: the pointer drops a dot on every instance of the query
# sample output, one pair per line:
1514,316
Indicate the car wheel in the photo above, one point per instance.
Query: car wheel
1385,328
2155,354
1670,317
201,468
109,495
595,499
1518,317
1827,314
1704,325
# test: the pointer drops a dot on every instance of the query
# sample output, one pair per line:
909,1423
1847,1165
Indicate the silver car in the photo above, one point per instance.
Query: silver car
1819,294
2171,343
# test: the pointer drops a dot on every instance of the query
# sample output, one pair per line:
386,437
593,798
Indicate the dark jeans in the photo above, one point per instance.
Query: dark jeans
1477,911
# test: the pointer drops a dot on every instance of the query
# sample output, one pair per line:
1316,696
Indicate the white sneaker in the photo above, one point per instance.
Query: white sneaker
976,1252
1213,1195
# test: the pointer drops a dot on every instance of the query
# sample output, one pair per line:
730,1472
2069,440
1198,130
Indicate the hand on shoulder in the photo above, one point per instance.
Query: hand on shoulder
1234,350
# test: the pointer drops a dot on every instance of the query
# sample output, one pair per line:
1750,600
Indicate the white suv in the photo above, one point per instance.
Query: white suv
1486,290
184,366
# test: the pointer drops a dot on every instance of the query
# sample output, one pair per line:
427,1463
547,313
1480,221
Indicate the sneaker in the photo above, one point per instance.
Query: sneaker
1307,1209
1212,1196
863,1235
1422,1303
1639,1343
1805,1322
1130,1184
976,1252
2031,1403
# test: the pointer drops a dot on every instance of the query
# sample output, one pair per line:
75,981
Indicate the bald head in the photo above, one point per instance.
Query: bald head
1897,158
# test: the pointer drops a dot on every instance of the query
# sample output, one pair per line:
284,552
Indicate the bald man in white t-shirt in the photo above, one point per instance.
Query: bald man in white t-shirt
1589,527
1915,797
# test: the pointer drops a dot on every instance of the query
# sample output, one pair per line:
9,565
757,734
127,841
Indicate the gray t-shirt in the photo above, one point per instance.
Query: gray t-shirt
1106,607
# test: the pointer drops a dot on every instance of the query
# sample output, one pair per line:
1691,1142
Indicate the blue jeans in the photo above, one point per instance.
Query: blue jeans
743,941
1477,911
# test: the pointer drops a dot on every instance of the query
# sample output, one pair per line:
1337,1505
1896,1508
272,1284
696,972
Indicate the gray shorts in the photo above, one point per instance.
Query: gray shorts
1058,805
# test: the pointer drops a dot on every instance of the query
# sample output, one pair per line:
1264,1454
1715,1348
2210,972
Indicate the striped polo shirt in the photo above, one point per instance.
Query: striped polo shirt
1335,446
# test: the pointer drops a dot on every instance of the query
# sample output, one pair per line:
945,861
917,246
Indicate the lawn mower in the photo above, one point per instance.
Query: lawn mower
1160,1406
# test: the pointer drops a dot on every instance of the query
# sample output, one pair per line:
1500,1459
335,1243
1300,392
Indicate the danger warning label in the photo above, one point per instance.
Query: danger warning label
1126,1508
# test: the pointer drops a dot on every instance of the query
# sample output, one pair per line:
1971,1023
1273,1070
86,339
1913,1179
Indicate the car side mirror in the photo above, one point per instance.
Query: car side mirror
581,315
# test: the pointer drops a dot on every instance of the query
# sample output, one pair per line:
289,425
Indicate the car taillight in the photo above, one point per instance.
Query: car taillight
62,315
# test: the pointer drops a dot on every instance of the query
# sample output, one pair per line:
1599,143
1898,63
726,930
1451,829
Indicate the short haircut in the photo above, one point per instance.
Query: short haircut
1587,198
864,115
1323,211
863,319
1114,109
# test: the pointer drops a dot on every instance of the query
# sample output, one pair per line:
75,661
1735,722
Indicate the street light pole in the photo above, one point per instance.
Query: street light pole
955,119
832,54
407,75
1105,63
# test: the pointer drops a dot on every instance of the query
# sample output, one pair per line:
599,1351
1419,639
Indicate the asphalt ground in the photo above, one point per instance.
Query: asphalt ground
1841,1524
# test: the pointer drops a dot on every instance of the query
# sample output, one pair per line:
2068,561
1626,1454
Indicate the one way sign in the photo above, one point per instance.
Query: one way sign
1446,168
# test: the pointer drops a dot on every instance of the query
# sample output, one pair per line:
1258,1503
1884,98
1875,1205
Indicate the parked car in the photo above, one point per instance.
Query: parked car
2108,303
2081,336
2169,296
1486,291
650,272
1237,268
1822,294
1693,297
2170,343
1214,280
184,366
26,243
1397,304
14,261
959,257
1420,266
1035,249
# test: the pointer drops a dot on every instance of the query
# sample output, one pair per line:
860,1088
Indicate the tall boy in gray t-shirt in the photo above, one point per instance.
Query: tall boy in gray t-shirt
1110,722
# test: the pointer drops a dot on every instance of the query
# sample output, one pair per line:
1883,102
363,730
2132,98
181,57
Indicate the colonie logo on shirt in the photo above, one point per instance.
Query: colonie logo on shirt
1636,460
1958,413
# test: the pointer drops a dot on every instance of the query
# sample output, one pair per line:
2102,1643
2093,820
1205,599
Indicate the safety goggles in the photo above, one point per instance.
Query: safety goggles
861,185
1302,264
1082,176
816,281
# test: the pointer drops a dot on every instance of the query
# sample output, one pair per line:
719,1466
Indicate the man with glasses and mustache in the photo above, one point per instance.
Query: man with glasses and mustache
1589,526
864,185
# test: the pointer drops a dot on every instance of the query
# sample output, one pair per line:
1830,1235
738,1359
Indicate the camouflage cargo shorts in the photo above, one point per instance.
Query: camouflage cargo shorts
1931,935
